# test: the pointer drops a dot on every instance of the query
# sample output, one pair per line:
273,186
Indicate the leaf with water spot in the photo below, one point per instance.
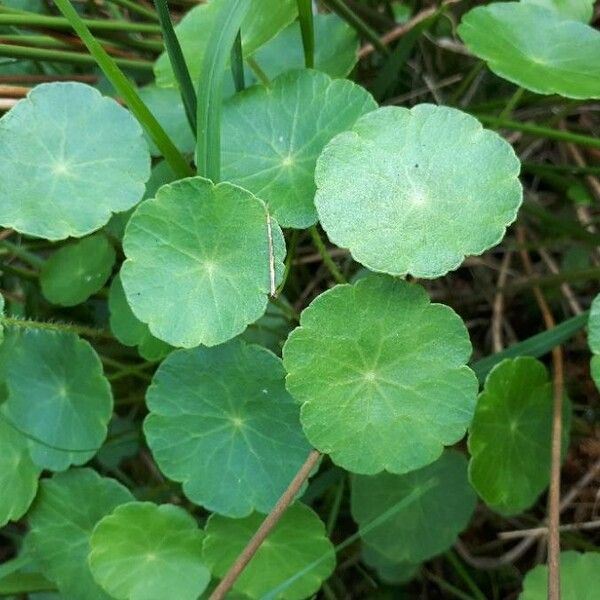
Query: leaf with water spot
513,420
291,121
222,423
201,261
65,512
415,191
57,395
381,375
76,271
142,551
297,549
424,528
61,174
512,37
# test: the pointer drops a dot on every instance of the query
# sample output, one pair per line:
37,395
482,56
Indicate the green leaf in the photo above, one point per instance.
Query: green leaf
424,528
579,578
594,339
381,374
64,175
513,419
77,271
1,315
215,242
142,551
295,543
291,121
272,329
512,37
414,191
167,107
128,329
63,516
578,10
336,46
265,19
57,395
18,474
222,423
389,571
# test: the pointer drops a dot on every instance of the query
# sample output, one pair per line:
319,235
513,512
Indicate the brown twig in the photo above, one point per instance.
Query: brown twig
266,527
538,531
498,305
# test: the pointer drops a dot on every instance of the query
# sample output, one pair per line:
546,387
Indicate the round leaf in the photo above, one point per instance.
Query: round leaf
414,191
18,474
512,37
578,10
222,423
381,374
57,395
264,20
147,552
336,45
63,516
513,419
296,543
594,326
200,260
291,122
76,271
424,528
128,329
61,173
579,578
389,571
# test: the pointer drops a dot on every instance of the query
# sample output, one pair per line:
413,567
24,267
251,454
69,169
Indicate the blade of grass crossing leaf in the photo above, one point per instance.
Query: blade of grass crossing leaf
210,89
186,87
126,90
536,345
307,28
237,63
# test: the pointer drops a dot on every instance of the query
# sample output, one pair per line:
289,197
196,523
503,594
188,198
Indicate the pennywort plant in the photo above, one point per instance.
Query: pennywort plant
166,221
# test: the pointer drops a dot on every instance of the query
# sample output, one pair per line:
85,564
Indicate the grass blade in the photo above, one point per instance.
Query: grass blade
126,90
182,74
307,28
210,90
237,63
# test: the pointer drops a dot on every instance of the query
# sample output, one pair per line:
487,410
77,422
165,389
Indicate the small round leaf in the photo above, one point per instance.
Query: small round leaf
76,271
222,423
425,527
512,37
142,551
57,395
61,173
291,121
201,259
381,374
414,191
298,541
67,508
513,419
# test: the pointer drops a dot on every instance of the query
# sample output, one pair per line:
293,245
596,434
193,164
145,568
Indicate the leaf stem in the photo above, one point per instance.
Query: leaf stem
322,249
137,8
257,70
62,327
237,63
307,28
266,527
464,575
29,257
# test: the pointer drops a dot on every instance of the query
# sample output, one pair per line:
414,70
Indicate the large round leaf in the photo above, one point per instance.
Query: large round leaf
578,10
128,329
298,541
142,551
200,261
510,436
75,272
264,19
579,578
63,516
18,474
513,38
57,395
61,173
425,527
222,423
381,374
290,121
336,45
414,191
